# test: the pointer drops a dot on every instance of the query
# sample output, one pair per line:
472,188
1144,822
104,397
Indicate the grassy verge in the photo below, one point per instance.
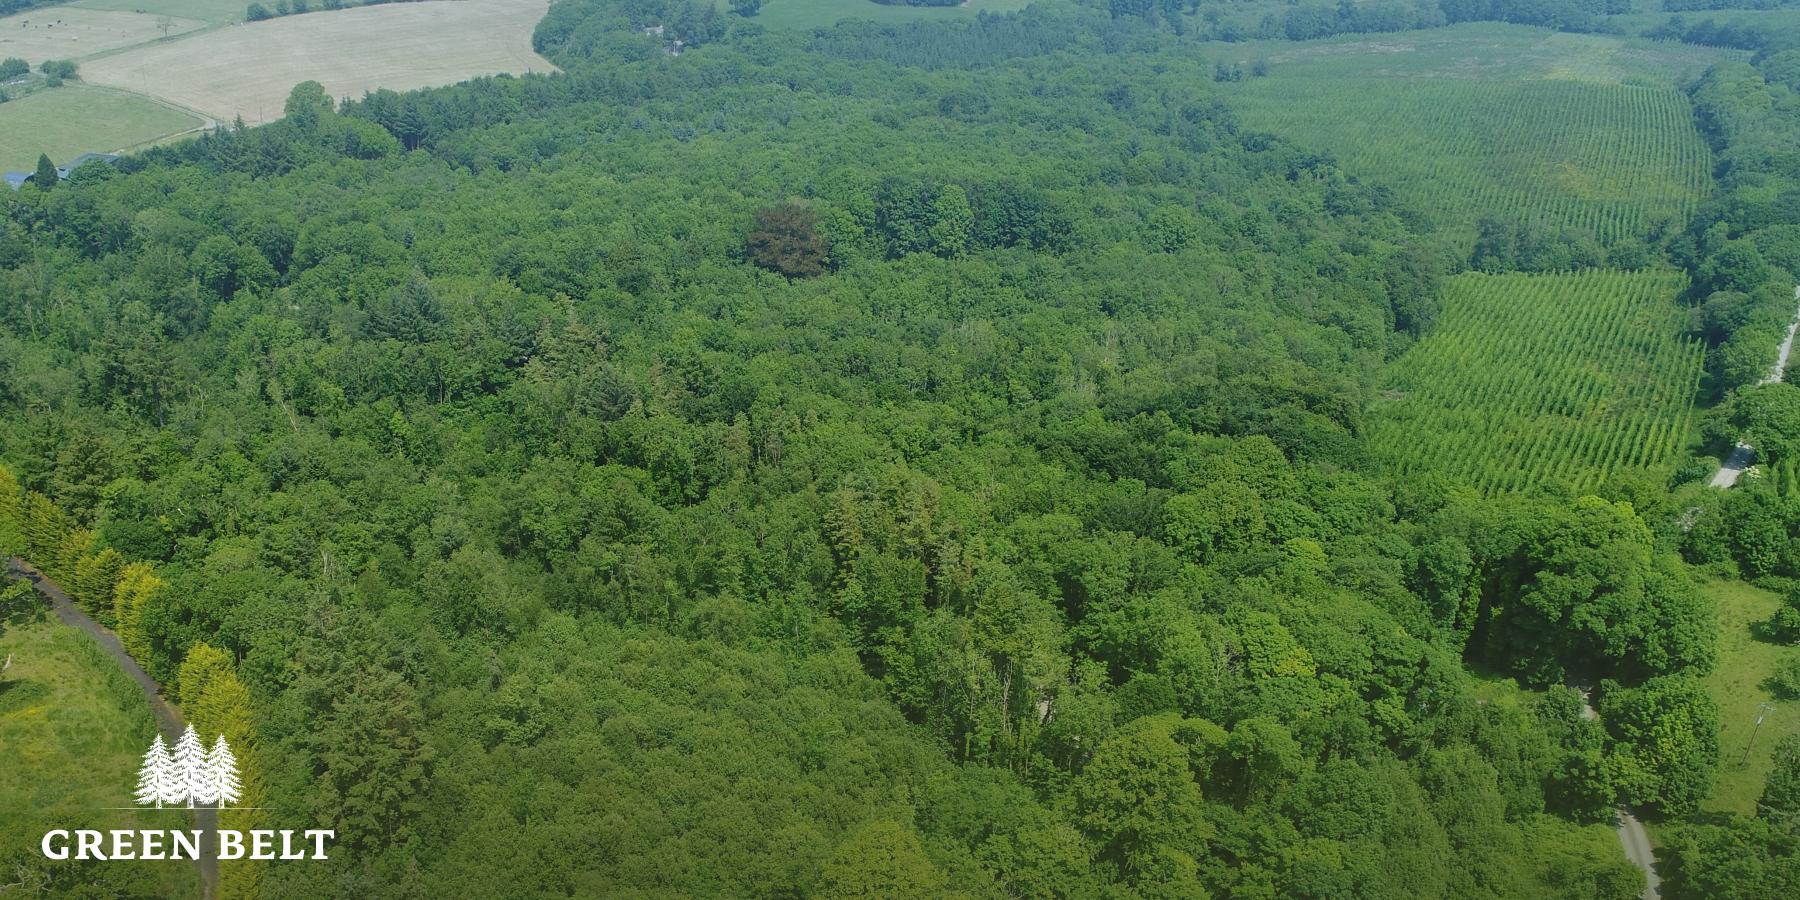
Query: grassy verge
72,728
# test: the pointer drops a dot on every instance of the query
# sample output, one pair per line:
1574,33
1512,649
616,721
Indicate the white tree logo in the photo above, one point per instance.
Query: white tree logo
157,779
192,774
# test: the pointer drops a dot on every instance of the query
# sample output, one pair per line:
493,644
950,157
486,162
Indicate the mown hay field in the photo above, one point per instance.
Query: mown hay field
1540,380
68,32
247,70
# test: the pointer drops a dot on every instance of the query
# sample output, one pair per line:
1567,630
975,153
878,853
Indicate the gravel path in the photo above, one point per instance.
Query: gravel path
1637,849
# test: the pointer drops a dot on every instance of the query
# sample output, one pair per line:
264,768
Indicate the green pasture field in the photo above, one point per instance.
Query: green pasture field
815,13
68,121
1737,685
73,728
1535,380
214,11
1555,131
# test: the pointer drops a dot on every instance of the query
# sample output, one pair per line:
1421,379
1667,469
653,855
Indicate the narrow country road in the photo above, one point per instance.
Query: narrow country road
1637,849
1742,455
1632,835
168,718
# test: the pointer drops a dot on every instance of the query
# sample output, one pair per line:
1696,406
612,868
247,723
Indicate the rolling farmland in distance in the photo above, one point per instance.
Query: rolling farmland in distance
835,448
1617,161
247,70
1550,132
217,12
74,32
153,69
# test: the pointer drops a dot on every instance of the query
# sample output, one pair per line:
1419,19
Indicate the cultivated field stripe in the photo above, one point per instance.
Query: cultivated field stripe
1533,380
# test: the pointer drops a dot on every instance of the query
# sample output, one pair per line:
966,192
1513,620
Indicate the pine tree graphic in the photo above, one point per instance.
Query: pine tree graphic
224,771
191,774
158,779
192,768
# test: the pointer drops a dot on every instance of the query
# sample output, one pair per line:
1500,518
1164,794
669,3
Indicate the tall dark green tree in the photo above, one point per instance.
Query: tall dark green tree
45,177
1780,800
786,238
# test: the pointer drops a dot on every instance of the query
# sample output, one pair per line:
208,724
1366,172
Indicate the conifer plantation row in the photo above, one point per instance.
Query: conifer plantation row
1536,380
1614,162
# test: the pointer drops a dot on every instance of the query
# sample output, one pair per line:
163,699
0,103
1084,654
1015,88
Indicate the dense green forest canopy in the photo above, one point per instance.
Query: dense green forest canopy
877,461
